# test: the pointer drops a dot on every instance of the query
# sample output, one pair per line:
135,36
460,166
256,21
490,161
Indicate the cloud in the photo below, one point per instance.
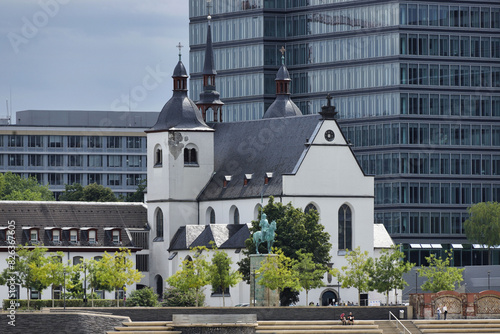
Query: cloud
87,53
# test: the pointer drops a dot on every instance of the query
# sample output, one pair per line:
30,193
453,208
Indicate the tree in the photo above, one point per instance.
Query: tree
25,260
357,273
98,193
483,225
15,188
440,276
276,272
194,273
175,297
221,275
310,273
388,270
295,231
117,271
49,271
143,297
72,192
138,195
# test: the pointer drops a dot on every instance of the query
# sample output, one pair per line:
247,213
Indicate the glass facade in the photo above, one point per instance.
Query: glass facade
416,85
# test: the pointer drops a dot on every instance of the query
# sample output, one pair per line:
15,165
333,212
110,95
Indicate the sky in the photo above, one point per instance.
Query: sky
112,55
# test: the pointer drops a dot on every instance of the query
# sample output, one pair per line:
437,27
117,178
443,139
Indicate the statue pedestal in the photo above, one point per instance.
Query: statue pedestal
259,294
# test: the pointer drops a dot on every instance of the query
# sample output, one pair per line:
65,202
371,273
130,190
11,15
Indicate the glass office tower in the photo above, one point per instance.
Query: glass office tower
416,84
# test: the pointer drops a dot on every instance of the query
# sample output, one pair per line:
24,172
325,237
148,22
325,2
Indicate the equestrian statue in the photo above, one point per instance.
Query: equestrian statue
266,233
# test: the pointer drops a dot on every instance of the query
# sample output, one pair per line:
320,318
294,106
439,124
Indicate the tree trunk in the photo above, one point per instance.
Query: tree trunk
387,298
307,297
29,297
117,299
52,295
92,296
489,256
223,299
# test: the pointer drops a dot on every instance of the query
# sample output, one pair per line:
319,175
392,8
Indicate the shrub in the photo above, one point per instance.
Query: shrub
143,297
175,297
38,304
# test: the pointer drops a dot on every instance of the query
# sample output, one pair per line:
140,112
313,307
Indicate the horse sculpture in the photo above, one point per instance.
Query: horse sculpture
266,234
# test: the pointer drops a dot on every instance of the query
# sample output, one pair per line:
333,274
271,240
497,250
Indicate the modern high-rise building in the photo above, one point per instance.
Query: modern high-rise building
61,147
416,85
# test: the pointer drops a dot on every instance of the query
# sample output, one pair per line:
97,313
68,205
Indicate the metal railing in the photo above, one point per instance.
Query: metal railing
398,323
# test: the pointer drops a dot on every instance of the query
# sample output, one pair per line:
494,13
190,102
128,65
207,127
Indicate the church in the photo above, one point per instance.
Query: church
208,180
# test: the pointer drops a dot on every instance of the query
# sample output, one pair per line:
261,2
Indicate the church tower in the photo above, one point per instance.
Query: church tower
283,106
180,160
210,98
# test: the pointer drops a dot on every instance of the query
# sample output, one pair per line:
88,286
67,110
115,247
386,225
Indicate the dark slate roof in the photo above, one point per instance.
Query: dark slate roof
180,113
180,71
283,106
102,217
208,67
257,147
283,74
223,236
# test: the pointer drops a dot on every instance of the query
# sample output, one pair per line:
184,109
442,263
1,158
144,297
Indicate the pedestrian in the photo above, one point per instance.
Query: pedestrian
350,318
445,311
438,312
343,319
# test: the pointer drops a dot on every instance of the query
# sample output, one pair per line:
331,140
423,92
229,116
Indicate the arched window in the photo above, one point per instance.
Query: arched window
159,225
212,216
158,156
77,260
309,207
345,227
159,285
190,157
236,216
256,211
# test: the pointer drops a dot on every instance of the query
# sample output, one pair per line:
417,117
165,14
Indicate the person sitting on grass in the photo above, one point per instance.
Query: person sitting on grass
350,318
343,319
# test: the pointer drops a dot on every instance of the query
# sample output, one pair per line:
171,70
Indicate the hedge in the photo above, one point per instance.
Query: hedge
38,304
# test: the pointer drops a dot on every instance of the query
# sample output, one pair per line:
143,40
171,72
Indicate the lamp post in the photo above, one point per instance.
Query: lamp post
254,301
64,270
488,280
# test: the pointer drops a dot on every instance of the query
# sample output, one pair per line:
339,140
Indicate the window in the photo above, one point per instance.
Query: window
94,142
134,161
35,141
212,216
92,237
134,179
35,160
114,160
114,142
56,236
55,179
133,142
55,141
114,179
75,141
345,227
190,157
15,141
33,235
310,207
94,178
159,225
73,236
142,262
55,160
75,161
75,178
94,161
117,239
77,260
158,156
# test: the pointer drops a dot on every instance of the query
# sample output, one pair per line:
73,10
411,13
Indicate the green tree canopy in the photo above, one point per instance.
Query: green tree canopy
483,225
72,192
310,273
357,272
194,273
221,275
15,188
26,260
143,297
388,270
440,276
117,271
49,270
276,272
295,231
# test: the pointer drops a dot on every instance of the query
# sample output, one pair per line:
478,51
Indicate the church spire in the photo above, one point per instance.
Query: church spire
282,106
210,98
